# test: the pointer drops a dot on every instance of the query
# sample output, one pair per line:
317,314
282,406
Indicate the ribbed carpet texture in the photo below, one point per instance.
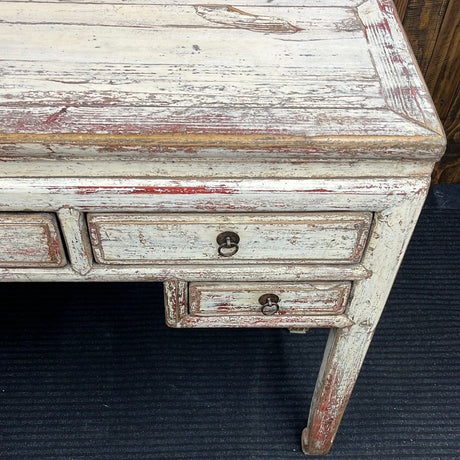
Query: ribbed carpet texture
90,371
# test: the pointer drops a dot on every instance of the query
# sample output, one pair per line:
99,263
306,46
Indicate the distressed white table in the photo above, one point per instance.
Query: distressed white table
267,161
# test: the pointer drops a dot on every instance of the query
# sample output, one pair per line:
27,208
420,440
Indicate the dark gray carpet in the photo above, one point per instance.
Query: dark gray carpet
97,374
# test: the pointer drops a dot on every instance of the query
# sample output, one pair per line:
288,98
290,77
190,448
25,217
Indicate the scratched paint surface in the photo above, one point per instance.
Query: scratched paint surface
284,70
166,238
217,299
232,305
30,240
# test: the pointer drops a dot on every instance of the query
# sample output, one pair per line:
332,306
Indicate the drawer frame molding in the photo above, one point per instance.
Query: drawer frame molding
287,238
30,240
181,300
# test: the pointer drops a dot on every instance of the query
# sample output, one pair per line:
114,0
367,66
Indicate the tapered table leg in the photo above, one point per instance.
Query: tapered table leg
345,352
346,348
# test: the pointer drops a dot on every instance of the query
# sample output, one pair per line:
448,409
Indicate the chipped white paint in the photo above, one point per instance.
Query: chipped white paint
239,3
104,194
30,240
242,299
346,348
165,123
289,238
75,233
176,301
193,272
391,58
236,305
242,149
308,77
202,168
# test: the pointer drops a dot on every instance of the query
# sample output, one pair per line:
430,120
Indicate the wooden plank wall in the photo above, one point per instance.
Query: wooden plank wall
433,29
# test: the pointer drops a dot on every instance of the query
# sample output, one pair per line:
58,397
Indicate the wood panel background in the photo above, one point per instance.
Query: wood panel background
432,27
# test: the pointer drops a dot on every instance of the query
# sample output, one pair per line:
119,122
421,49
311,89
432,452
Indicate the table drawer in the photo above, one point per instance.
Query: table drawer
30,240
267,299
230,238
257,304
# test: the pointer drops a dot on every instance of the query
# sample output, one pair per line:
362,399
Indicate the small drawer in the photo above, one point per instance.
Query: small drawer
30,240
259,304
229,238
245,299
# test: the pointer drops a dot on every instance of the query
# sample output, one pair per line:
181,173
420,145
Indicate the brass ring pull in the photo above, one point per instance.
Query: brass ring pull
269,304
228,244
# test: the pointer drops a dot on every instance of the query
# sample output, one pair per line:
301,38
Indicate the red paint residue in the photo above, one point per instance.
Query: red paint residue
54,117
317,190
180,190
384,25
156,190
54,250
386,8
320,432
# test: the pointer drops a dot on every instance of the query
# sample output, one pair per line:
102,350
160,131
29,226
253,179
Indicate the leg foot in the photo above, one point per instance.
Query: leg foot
312,450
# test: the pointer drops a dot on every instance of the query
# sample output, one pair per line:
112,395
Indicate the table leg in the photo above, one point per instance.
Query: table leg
346,348
344,355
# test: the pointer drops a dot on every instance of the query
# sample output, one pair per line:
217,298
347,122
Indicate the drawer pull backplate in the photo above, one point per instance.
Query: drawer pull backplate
228,243
269,304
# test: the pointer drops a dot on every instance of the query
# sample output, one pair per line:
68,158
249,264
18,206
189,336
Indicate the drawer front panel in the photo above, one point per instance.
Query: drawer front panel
252,299
30,240
193,238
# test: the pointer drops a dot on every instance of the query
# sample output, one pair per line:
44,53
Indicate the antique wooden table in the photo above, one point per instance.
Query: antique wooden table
267,161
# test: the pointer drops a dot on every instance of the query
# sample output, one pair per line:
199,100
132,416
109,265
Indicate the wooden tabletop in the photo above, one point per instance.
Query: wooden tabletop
308,75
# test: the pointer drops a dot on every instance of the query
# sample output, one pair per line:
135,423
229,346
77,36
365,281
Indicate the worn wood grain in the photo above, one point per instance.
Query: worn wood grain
284,85
453,119
422,22
447,171
192,272
239,3
194,145
64,164
207,195
391,58
401,7
443,72
295,323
